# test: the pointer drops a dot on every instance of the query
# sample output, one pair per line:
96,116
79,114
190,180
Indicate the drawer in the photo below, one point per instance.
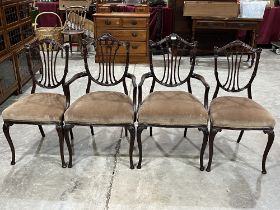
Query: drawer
209,24
241,25
135,48
108,22
131,35
134,22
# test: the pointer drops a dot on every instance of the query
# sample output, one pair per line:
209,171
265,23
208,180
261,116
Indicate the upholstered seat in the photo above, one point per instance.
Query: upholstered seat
172,108
239,112
102,107
37,107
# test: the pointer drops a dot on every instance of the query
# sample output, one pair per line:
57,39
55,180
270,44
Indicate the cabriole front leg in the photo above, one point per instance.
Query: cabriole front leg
6,130
203,146
59,129
131,129
140,128
270,134
212,135
67,129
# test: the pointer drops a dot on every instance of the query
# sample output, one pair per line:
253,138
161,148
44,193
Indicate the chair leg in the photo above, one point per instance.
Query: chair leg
67,130
140,128
240,136
131,129
59,129
213,133
71,134
185,132
151,131
41,130
125,132
267,148
203,146
70,43
91,130
6,128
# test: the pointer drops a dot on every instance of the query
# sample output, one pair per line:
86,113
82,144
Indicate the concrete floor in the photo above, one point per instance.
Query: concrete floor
170,177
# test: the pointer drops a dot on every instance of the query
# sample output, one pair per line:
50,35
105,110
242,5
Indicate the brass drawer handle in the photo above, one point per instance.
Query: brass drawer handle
134,34
134,47
107,22
133,22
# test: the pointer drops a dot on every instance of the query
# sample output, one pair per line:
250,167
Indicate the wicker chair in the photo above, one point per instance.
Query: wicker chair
75,23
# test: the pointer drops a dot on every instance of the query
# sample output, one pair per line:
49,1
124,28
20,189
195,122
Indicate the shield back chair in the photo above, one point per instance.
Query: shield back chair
232,112
40,108
172,109
75,23
104,108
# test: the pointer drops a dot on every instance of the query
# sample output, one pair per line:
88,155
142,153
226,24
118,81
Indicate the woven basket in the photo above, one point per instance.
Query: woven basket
49,32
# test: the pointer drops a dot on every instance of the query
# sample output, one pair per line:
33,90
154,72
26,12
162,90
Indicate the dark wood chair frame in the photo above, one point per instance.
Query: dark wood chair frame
169,81
48,80
108,79
234,52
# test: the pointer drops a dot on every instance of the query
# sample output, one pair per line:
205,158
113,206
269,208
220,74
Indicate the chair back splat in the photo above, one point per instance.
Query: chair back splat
107,72
235,53
174,72
43,55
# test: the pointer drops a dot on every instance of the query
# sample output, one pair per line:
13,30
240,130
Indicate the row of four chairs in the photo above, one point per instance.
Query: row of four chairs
176,109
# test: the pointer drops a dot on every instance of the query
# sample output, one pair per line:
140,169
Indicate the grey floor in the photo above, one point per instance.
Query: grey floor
170,177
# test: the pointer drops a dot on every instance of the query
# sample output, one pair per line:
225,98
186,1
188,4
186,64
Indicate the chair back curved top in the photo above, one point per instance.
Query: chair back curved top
177,69
234,65
107,72
75,19
43,55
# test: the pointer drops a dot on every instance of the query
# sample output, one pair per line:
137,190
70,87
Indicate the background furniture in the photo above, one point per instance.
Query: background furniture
75,23
247,24
103,108
237,113
128,26
269,28
173,109
15,32
48,20
40,108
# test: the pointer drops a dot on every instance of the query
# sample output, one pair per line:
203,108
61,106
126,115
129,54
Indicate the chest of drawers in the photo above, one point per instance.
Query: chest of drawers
124,26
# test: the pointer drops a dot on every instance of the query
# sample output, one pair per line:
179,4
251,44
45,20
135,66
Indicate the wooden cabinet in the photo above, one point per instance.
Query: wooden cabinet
15,31
125,26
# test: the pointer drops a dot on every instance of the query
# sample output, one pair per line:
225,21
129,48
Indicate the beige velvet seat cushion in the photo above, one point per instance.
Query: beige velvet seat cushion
37,107
101,108
172,108
239,112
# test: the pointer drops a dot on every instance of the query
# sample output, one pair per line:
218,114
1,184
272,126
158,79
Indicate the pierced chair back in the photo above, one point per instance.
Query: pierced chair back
107,72
232,73
173,68
75,19
43,55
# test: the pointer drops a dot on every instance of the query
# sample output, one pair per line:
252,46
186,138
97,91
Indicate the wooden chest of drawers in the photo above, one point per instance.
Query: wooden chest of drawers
132,27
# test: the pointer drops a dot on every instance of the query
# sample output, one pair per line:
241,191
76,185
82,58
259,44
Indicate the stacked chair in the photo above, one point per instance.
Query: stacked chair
170,108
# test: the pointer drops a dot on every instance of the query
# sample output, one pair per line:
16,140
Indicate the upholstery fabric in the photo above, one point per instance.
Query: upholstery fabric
102,107
239,112
37,107
172,108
